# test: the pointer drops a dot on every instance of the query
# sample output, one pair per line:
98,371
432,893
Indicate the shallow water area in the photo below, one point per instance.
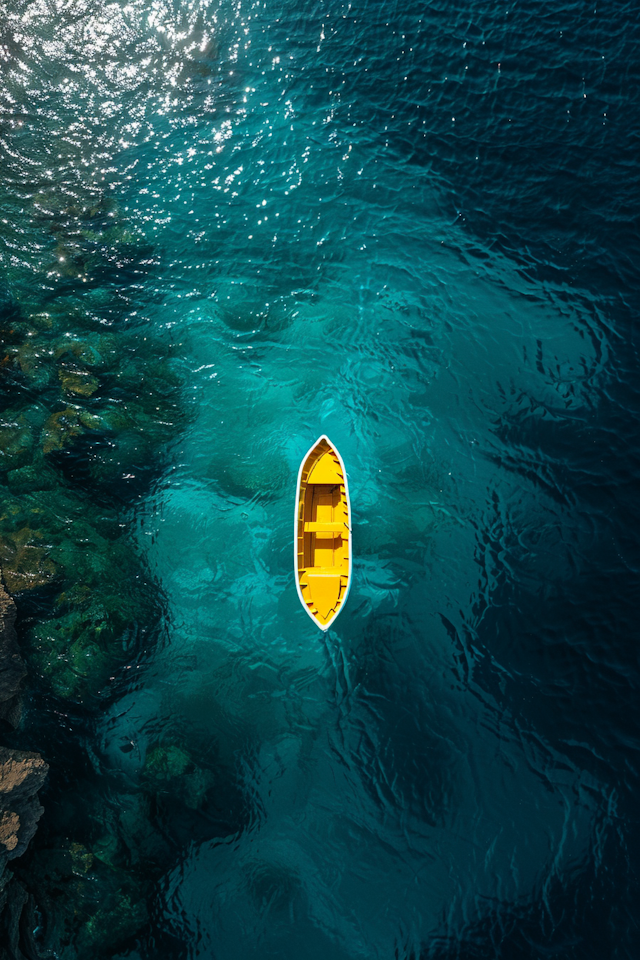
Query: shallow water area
230,229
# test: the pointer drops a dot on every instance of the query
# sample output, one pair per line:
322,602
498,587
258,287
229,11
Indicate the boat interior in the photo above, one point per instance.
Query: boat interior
323,534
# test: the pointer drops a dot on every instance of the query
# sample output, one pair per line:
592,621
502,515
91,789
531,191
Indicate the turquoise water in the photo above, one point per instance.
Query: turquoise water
401,227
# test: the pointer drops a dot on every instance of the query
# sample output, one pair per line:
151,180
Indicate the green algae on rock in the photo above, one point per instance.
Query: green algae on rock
95,355
89,908
77,382
92,621
80,648
16,442
25,560
88,401
171,771
64,426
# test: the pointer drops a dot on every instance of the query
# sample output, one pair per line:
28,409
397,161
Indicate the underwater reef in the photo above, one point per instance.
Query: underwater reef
89,401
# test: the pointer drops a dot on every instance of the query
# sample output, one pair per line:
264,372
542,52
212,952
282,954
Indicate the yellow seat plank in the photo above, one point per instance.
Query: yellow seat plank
324,527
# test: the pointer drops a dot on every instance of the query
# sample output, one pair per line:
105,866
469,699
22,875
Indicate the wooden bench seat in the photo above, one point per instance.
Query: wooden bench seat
326,527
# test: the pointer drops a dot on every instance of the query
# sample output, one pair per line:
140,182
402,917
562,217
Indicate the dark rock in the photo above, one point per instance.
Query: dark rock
86,904
34,360
12,667
12,903
35,476
21,777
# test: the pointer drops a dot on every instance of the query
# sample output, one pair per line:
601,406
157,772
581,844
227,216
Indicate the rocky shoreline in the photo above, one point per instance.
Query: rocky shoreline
22,775
89,400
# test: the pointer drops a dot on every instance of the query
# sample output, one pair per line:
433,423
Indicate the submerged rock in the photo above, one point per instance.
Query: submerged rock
77,382
99,356
86,905
25,561
113,924
88,205
41,321
34,360
81,858
34,476
98,400
65,426
95,623
245,477
166,763
170,771
72,260
16,443
74,654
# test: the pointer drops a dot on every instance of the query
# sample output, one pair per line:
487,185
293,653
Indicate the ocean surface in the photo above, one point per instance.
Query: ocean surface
225,229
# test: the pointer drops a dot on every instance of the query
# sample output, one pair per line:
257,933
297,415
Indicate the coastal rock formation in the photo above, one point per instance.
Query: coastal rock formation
25,561
21,777
12,666
21,774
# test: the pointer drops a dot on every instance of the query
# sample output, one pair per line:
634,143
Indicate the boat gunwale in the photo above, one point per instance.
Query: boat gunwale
322,626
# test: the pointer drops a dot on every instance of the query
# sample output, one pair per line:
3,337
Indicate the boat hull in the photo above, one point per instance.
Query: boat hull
322,533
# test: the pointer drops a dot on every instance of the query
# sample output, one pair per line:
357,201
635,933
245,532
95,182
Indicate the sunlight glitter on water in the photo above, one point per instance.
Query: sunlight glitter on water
401,352
369,792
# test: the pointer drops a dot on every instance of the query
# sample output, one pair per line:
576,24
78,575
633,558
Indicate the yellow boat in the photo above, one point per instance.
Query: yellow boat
322,544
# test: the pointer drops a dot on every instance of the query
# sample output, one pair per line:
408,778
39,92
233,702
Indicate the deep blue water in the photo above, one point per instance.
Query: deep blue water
413,227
